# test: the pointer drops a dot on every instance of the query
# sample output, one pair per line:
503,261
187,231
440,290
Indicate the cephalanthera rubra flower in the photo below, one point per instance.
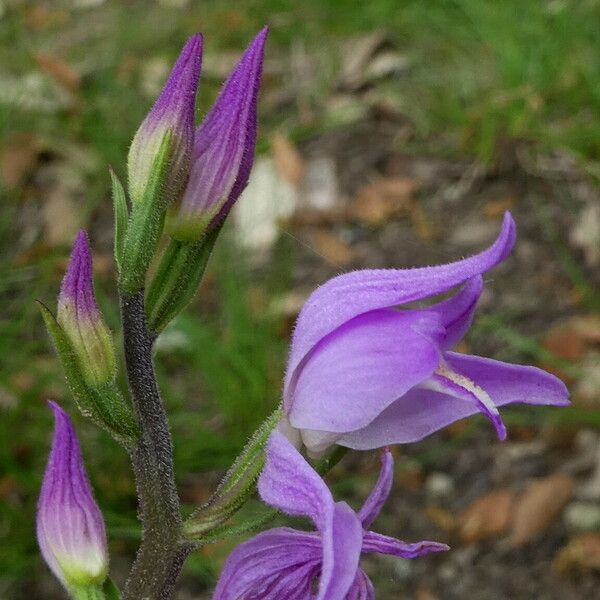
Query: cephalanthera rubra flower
320,565
366,370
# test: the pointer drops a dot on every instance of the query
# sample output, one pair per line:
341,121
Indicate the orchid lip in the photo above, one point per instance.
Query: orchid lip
448,381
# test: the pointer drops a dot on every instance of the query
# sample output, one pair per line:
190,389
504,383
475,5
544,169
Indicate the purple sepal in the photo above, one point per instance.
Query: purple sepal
70,527
79,317
223,150
320,565
173,111
366,371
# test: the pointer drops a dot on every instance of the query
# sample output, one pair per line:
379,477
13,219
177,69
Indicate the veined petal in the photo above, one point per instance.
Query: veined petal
278,563
374,503
414,416
342,542
172,112
421,412
223,149
80,318
362,588
70,527
507,383
456,313
383,544
347,296
364,366
290,484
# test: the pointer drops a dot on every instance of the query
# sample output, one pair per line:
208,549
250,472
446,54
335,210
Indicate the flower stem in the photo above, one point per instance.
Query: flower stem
159,559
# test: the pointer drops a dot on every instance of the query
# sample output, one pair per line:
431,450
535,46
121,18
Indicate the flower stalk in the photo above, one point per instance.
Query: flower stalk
152,460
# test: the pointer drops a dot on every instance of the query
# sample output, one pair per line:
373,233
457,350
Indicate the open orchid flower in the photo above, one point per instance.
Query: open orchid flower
365,372
291,564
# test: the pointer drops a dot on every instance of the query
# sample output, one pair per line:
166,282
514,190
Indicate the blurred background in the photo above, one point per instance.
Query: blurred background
392,133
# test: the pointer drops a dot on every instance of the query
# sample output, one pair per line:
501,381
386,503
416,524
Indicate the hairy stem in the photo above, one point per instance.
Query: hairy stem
159,559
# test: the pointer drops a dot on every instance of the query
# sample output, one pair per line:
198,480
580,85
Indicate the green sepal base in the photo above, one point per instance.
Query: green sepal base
177,278
121,216
237,486
146,224
104,404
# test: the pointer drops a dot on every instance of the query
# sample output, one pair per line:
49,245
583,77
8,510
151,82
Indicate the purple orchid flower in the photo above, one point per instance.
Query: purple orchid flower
286,563
70,528
365,372
80,318
223,150
172,112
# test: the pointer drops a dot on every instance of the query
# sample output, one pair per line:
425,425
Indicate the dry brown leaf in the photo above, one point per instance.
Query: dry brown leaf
19,155
563,342
377,202
488,516
410,477
539,506
441,517
62,219
496,208
582,553
424,593
333,249
421,223
41,17
64,74
288,162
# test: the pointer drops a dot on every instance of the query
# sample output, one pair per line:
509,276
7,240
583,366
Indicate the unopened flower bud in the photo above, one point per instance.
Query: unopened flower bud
223,151
172,114
81,320
70,527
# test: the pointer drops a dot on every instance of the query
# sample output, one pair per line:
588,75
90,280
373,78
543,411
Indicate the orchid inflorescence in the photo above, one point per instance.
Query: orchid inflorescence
367,369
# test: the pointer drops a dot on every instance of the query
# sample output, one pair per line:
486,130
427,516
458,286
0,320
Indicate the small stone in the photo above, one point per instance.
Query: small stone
439,485
583,516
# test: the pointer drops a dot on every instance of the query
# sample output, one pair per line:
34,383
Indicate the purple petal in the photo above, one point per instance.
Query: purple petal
173,110
456,313
70,528
361,368
342,542
507,383
362,588
80,318
77,286
224,148
344,297
374,503
290,484
383,544
279,563
421,412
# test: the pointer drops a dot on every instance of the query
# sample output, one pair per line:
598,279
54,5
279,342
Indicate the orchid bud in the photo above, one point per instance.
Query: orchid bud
223,153
70,528
172,114
81,320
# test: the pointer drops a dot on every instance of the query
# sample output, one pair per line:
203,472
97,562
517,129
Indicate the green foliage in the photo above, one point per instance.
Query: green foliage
121,216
